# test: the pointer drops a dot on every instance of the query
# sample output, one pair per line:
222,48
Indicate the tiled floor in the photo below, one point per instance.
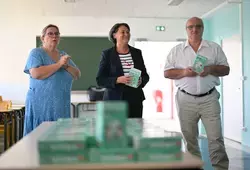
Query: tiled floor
239,156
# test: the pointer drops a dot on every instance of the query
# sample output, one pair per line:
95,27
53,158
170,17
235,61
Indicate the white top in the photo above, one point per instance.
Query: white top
127,62
183,56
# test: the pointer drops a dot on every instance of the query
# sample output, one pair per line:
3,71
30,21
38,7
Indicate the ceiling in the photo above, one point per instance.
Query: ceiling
128,8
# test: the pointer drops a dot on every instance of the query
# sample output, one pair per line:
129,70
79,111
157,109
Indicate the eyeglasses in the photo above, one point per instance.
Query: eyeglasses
198,26
51,34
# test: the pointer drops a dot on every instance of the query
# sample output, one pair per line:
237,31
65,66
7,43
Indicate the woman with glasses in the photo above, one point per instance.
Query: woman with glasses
51,73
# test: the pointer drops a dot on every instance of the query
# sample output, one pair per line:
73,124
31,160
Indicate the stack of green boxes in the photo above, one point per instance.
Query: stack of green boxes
109,137
111,134
154,144
64,143
159,149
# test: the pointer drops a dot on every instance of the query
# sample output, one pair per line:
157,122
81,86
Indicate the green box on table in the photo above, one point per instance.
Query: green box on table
111,124
112,155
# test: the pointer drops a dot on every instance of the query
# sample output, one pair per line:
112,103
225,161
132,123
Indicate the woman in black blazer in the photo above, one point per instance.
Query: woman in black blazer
114,67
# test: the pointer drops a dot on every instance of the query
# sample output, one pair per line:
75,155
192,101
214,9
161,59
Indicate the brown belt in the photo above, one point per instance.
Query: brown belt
199,95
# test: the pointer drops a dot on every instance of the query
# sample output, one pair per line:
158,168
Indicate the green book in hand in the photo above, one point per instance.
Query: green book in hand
199,63
135,74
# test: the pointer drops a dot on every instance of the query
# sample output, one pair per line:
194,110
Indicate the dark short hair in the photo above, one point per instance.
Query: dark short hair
48,26
114,29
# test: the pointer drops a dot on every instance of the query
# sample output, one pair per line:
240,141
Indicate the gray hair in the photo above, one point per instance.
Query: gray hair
48,26
44,31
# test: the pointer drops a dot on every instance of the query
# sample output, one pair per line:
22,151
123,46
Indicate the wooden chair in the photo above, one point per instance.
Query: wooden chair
11,122
6,126
5,105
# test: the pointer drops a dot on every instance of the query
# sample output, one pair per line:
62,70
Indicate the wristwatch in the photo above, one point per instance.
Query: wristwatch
65,66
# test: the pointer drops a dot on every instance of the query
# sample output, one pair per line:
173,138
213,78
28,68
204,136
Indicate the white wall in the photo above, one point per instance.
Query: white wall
22,21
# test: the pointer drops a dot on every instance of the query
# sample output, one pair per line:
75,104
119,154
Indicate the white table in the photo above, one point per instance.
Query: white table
24,155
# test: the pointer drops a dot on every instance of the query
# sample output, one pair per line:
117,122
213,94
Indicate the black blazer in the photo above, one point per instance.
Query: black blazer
110,69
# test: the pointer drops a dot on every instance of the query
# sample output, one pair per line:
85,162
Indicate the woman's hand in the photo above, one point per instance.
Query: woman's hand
64,60
123,80
139,82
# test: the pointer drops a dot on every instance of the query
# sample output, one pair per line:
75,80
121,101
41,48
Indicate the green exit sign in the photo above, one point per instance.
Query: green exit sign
160,28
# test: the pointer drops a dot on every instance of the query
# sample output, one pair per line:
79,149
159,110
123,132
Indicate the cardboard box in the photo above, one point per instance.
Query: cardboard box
61,139
158,155
66,143
118,155
63,158
160,142
111,125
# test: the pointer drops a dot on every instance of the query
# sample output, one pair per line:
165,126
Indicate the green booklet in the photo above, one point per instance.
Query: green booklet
199,63
135,74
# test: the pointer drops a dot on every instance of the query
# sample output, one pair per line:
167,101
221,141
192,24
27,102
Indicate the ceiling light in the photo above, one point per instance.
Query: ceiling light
70,1
174,2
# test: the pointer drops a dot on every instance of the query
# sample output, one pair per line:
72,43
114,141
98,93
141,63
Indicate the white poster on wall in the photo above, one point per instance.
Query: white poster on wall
159,92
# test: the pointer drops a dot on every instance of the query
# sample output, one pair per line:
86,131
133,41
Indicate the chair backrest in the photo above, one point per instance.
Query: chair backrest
95,93
5,105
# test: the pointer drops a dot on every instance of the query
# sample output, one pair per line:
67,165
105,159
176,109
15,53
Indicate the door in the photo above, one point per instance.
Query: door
232,89
159,90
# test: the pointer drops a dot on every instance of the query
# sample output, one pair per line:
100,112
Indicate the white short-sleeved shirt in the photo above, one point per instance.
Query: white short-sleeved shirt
183,56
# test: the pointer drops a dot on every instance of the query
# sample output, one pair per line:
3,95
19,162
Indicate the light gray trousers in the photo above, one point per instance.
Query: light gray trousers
207,108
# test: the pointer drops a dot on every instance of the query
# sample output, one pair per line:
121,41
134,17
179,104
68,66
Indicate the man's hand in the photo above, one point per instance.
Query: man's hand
205,72
188,72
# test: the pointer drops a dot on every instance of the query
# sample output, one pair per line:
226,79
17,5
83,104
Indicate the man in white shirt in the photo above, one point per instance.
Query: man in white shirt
197,97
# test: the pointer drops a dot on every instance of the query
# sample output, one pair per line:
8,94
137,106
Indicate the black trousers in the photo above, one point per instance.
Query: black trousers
135,110
133,99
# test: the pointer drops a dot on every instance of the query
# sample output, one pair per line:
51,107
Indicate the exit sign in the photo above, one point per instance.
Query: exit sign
160,28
